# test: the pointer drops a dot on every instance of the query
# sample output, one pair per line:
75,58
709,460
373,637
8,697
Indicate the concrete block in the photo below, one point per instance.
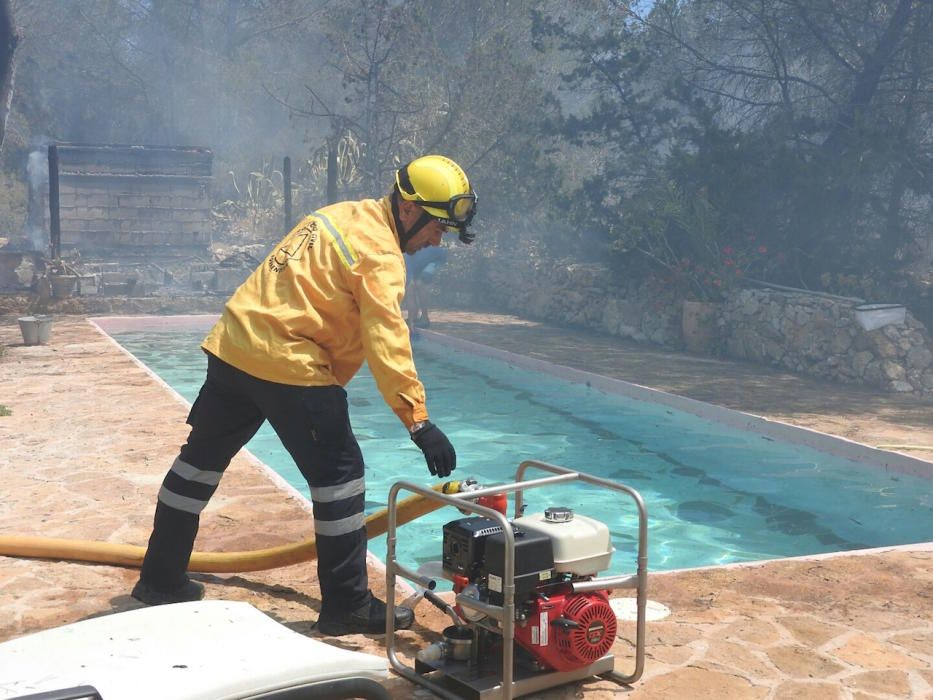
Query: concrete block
88,285
201,280
227,279
189,215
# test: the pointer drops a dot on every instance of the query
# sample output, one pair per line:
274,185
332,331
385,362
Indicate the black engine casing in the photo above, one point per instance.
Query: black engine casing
475,547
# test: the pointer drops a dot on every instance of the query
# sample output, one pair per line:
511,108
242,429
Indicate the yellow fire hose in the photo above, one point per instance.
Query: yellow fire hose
129,555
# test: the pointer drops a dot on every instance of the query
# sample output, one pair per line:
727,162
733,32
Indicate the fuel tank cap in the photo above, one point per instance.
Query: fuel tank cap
558,514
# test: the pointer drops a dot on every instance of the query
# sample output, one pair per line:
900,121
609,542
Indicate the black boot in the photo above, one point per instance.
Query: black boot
185,593
369,618
163,578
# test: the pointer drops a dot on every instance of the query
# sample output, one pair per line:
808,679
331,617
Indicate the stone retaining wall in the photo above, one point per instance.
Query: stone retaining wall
807,334
579,294
821,336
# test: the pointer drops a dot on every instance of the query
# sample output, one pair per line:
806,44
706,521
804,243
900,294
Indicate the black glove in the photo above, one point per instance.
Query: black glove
438,452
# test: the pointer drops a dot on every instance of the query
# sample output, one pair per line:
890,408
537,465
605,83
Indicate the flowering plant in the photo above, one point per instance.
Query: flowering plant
682,232
710,276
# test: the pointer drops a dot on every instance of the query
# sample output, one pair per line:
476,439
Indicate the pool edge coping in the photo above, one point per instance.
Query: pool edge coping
915,547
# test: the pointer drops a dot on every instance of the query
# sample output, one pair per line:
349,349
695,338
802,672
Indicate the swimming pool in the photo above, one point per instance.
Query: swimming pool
715,494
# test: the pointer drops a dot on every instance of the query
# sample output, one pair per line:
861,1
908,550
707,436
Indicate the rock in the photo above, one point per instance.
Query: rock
919,357
860,362
841,342
893,371
882,346
886,682
801,662
866,651
873,373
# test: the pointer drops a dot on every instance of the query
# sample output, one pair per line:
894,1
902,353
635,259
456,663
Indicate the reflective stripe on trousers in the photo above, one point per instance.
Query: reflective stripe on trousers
313,425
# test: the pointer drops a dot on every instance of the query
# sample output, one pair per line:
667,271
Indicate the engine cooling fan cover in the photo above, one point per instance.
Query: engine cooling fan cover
594,634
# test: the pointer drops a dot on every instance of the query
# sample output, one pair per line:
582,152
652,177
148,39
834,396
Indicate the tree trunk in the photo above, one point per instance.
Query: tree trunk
8,41
866,82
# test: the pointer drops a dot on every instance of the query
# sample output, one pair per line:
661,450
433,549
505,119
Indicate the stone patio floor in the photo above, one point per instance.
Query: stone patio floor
91,435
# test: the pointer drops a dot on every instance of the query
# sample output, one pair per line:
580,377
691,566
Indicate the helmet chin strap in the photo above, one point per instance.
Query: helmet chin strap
403,235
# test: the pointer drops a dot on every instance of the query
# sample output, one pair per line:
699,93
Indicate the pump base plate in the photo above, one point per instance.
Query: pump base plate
485,681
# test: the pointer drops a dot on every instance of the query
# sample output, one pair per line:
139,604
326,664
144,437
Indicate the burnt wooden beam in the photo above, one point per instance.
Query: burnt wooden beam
55,225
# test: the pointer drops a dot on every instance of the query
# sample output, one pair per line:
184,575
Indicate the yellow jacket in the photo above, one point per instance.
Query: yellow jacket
328,296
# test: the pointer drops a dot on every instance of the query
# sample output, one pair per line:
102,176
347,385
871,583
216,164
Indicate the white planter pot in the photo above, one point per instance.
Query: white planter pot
873,316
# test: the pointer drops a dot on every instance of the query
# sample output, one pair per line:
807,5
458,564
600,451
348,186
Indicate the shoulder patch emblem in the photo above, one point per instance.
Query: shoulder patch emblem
293,247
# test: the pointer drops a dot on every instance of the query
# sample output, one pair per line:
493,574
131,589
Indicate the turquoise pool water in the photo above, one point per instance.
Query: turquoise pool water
714,494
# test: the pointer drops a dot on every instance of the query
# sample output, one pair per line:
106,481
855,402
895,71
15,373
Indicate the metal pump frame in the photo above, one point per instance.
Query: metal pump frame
508,686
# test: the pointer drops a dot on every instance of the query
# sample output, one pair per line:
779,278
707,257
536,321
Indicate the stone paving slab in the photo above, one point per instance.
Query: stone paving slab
91,435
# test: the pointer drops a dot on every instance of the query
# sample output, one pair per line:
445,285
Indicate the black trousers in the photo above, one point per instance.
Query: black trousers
314,426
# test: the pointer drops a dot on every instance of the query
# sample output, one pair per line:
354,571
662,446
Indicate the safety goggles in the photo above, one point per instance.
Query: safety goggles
460,210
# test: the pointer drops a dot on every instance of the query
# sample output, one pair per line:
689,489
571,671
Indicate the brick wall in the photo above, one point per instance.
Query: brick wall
115,197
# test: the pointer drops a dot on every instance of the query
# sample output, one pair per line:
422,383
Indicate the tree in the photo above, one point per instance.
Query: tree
435,76
806,122
8,42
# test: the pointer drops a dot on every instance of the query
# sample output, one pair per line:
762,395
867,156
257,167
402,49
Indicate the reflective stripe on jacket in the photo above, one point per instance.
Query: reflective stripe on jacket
327,296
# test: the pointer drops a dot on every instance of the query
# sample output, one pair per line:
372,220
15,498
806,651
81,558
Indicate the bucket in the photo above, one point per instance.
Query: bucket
873,316
35,329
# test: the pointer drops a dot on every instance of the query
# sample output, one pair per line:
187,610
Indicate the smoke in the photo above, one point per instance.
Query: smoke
37,176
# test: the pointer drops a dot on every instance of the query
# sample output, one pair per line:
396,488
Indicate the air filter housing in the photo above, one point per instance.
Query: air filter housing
582,545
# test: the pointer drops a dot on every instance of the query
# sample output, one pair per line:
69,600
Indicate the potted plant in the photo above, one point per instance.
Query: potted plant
63,279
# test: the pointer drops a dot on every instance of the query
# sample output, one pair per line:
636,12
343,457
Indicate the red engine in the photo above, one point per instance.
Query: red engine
555,628
567,631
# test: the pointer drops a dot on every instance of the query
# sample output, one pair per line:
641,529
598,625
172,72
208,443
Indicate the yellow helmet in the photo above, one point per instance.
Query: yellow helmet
442,189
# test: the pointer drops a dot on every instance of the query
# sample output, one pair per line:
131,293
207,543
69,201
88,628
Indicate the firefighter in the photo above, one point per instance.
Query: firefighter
422,266
288,341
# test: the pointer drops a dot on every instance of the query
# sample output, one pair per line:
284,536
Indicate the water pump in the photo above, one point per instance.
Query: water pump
556,628
530,609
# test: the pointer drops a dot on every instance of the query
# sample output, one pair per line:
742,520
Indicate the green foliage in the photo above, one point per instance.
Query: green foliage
4,411
804,124
682,234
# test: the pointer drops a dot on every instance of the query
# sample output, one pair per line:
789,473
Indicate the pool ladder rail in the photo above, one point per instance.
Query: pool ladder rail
454,685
